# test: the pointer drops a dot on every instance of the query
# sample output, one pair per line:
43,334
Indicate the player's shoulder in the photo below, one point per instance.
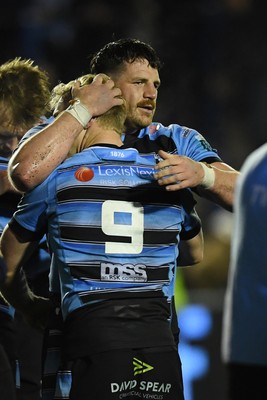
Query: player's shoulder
84,157
43,123
172,130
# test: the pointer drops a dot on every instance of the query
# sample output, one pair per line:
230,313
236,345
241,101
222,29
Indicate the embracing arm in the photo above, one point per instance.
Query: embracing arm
179,172
223,188
14,253
15,288
191,251
38,156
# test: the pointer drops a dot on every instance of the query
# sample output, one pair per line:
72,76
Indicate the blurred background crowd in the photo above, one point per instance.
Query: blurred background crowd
214,80
214,53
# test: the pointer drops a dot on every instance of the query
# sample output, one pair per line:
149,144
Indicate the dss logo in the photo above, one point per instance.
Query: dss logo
122,273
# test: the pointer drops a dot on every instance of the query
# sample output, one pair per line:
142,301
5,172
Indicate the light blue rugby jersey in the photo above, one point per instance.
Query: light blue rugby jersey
113,235
174,138
8,205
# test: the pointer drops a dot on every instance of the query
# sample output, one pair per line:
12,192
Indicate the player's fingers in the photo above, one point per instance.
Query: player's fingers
162,164
116,92
104,79
76,85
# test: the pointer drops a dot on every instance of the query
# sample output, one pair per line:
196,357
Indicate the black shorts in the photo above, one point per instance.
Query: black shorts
152,373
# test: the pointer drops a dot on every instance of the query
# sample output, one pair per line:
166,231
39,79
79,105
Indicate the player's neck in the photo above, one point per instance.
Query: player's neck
101,136
108,136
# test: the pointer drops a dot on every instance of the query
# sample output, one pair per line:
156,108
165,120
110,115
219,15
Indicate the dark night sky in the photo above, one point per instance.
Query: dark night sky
214,52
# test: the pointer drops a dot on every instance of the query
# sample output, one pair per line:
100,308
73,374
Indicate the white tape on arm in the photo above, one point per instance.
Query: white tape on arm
80,112
209,176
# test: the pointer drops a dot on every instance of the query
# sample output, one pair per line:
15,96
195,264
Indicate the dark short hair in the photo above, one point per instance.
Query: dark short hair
114,54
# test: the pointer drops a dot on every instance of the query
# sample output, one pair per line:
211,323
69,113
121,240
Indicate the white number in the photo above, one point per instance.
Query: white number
135,230
118,154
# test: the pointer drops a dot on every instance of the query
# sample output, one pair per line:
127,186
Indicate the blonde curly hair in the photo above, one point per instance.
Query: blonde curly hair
61,98
24,93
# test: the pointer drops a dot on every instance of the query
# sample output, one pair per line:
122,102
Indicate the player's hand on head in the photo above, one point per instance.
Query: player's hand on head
99,96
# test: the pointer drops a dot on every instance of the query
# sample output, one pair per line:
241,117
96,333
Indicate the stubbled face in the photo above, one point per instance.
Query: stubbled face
139,84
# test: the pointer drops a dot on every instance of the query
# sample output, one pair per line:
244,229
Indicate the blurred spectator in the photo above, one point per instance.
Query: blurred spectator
244,333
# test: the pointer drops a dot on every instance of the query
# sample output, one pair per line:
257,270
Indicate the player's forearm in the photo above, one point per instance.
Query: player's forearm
43,152
14,288
16,291
216,182
223,189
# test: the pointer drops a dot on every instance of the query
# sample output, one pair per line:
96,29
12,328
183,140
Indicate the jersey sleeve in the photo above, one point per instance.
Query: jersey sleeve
192,225
34,130
192,144
29,221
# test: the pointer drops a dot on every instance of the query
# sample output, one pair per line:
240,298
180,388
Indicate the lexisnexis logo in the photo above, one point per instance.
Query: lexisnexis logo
84,174
111,171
